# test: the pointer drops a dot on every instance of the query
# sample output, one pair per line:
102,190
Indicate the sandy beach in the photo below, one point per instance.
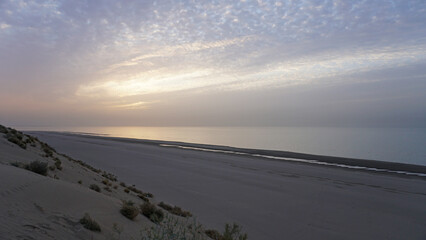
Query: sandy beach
271,199
213,120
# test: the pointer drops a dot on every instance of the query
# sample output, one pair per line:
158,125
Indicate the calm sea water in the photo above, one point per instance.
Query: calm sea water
407,145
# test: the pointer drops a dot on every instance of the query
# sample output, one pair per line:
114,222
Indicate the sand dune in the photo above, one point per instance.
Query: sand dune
34,206
270,199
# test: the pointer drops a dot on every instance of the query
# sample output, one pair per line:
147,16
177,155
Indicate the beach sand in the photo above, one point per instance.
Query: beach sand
271,199
33,206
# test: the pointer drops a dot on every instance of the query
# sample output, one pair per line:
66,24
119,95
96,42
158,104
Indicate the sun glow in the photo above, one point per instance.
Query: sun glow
145,85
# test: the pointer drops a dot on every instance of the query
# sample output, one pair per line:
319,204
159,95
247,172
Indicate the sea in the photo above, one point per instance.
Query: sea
405,145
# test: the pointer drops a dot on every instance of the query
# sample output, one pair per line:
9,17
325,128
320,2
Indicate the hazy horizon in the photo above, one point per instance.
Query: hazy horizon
213,63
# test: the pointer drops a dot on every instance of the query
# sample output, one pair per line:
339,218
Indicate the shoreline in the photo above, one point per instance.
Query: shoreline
330,161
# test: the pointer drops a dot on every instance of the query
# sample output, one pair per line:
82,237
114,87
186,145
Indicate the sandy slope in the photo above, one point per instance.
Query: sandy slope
271,199
33,206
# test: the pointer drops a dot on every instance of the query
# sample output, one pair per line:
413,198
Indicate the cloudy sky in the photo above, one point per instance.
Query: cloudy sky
213,63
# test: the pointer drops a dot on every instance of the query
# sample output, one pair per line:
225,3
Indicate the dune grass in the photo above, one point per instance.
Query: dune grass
173,228
174,210
232,232
95,187
90,223
150,211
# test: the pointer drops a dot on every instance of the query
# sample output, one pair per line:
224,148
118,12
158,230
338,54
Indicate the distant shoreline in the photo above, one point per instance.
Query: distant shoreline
331,161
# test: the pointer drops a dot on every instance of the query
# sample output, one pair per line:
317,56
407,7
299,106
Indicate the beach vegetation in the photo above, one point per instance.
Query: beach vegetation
214,234
82,164
90,223
3,129
134,189
109,176
126,190
106,182
150,195
38,167
48,150
13,138
58,163
150,211
13,131
232,232
174,228
19,136
141,196
129,210
95,187
107,189
80,182
174,210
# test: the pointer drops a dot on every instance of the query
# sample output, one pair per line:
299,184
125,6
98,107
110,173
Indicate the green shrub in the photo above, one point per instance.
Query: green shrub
14,139
174,210
134,189
89,223
172,228
105,182
129,210
152,212
95,187
58,164
80,182
34,166
145,199
233,232
19,136
3,129
38,167
82,164
213,234
48,150
13,131
109,176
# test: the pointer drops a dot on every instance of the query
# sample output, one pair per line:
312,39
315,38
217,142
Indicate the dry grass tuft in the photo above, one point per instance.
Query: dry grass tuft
174,210
152,212
90,223
129,210
95,187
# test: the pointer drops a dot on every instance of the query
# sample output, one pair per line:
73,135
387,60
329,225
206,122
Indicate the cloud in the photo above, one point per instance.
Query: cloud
134,105
145,84
184,49
4,26
109,53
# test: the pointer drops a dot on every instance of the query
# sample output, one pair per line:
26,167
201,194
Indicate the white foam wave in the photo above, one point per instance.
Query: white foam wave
296,160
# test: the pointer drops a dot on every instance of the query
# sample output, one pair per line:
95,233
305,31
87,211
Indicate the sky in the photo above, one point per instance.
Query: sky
213,63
